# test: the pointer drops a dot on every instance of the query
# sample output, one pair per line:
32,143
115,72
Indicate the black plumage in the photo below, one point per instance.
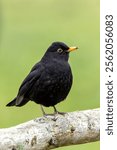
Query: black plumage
49,81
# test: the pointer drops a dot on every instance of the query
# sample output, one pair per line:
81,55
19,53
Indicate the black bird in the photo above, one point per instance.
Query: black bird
49,81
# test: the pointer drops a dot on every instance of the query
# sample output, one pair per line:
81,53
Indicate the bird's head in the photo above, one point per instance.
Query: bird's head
59,50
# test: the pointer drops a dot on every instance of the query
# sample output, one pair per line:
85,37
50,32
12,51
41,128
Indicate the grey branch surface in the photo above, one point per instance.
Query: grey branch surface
52,131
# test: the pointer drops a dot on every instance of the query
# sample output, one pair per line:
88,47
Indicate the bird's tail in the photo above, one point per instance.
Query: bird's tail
14,103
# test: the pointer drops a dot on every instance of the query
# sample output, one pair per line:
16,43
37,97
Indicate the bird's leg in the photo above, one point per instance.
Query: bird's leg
43,110
57,112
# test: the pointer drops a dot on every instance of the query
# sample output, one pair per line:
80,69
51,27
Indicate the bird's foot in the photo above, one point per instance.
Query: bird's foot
45,115
59,113
54,116
50,116
56,112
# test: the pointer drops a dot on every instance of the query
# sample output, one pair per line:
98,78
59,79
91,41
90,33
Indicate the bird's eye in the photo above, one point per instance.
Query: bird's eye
59,50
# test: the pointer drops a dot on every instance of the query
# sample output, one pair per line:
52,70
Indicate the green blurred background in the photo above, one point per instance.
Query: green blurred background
27,28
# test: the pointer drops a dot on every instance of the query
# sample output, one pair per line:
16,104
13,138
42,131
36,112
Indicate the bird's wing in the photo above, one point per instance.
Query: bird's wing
28,82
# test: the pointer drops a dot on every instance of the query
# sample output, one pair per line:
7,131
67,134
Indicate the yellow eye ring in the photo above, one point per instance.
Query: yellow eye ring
59,50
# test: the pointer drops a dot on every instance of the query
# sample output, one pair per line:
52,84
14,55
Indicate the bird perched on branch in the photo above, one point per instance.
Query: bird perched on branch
49,81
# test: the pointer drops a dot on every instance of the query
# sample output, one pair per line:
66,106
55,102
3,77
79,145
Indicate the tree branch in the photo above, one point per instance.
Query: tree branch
52,131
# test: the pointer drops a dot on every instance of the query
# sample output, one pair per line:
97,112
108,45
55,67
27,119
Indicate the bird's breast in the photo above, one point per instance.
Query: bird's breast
59,75
59,69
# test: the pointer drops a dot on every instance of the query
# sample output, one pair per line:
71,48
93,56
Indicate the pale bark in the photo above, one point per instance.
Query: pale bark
52,131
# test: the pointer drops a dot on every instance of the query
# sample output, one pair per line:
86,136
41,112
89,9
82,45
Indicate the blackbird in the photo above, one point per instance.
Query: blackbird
49,81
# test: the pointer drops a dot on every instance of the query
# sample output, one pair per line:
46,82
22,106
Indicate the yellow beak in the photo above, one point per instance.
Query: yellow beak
72,49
